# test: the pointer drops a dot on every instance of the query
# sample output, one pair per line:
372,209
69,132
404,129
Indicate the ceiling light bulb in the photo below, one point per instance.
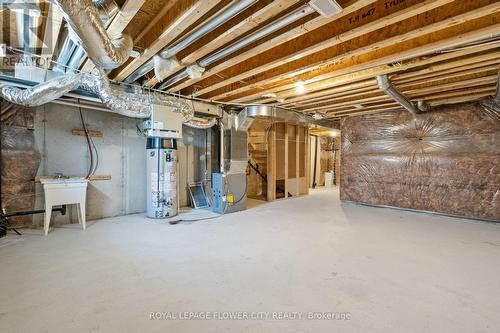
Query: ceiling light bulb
300,88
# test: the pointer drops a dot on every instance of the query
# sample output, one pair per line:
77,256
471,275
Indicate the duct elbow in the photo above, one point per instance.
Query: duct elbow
385,84
164,67
84,20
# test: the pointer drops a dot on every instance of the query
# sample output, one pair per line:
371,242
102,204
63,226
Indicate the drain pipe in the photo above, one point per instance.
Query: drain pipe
386,85
255,36
187,40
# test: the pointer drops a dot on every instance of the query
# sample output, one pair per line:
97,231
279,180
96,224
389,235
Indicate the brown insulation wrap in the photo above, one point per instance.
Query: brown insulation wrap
445,161
20,160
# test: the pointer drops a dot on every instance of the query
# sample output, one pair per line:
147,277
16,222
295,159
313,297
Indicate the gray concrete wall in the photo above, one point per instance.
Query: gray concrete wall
121,155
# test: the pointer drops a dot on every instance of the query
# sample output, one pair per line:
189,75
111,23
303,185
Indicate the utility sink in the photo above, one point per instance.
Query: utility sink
64,191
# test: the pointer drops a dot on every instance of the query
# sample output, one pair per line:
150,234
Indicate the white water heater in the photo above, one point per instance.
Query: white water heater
162,193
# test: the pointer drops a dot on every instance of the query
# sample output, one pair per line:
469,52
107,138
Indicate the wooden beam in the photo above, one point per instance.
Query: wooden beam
229,32
430,71
350,7
310,46
91,178
412,93
461,66
183,14
362,65
466,98
415,33
456,59
80,132
407,85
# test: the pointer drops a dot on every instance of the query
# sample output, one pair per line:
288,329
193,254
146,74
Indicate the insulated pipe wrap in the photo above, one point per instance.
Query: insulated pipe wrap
83,18
133,105
118,101
42,93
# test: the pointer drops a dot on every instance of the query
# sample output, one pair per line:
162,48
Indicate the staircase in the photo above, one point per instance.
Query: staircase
257,153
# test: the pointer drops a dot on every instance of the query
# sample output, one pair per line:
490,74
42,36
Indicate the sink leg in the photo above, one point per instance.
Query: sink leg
48,215
81,211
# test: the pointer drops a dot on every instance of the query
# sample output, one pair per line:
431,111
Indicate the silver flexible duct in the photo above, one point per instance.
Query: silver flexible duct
127,104
40,94
386,86
201,123
84,19
246,117
222,17
133,105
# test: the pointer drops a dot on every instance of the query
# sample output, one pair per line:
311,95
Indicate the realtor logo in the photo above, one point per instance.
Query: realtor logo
21,26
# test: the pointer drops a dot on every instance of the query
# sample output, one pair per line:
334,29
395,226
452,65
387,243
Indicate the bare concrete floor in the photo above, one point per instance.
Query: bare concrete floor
390,270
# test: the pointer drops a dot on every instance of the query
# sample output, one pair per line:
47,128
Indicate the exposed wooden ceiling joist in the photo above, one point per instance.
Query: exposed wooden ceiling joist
435,50
280,41
359,93
377,48
227,33
315,46
183,14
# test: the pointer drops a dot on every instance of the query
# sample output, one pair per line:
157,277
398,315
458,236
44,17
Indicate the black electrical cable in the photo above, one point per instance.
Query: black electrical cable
96,157
89,144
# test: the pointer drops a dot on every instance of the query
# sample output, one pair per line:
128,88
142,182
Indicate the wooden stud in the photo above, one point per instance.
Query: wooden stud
80,132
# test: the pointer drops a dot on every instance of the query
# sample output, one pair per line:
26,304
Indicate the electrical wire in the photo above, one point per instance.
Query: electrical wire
96,156
91,148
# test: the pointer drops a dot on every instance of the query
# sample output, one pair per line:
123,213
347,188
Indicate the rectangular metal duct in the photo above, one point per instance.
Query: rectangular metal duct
326,8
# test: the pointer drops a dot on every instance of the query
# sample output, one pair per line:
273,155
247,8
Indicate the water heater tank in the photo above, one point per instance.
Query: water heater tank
162,177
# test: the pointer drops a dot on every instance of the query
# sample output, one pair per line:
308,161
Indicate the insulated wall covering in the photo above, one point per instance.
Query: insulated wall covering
20,160
445,161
